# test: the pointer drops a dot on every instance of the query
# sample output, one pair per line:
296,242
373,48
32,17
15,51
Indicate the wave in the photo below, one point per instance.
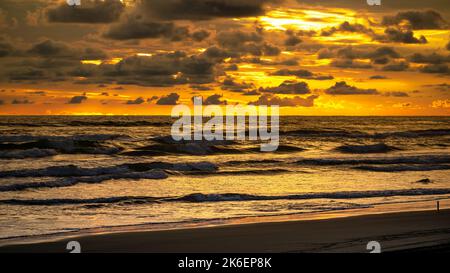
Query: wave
419,159
29,153
168,146
75,175
30,138
403,168
199,197
67,182
75,171
24,146
50,202
229,197
366,149
80,123
359,134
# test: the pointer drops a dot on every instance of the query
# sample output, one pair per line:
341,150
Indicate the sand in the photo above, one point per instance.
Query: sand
404,231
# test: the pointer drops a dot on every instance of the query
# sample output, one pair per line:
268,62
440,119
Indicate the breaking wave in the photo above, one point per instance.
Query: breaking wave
366,149
419,159
229,197
359,134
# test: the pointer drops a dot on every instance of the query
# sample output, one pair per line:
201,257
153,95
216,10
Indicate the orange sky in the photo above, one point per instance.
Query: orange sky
348,60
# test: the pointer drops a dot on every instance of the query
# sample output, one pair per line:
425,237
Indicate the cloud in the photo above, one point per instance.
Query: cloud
137,101
214,100
396,94
302,74
200,35
164,69
288,87
440,87
77,99
269,99
441,104
401,36
240,42
171,99
200,87
138,28
56,49
202,9
448,46
378,77
90,12
349,63
432,58
292,40
6,48
230,84
435,68
417,19
19,101
396,66
342,88
347,27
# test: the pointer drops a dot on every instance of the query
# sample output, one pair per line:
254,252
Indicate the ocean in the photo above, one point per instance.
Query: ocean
63,174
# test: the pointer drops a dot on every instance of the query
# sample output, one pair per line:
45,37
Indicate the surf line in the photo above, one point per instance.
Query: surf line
192,126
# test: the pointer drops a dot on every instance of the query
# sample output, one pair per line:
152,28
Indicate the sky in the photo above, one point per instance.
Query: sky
142,57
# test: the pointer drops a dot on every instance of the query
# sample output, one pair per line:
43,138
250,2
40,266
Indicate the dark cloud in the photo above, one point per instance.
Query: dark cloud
269,99
153,98
417,19
91,12
137,101
448,46
164,69
396,94
396,66
347,27
231,84
362,53
232,67
200,35
240,42
435,68
349,63
77,99
252,93
28,74
6,48
342,88
432,58
56,49
292,41
171,99
138,28
288,87
202,9
401,36
215,99
21,101
302,74
378,77
440,87
200,87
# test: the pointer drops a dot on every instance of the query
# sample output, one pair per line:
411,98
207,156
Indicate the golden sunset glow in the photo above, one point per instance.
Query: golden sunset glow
291,41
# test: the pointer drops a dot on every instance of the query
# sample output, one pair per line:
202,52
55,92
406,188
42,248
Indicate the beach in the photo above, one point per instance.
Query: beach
403,231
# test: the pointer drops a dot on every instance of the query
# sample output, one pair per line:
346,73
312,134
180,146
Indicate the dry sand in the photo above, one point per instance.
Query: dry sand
394,231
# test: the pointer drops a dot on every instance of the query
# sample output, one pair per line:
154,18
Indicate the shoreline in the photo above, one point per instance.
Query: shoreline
421,228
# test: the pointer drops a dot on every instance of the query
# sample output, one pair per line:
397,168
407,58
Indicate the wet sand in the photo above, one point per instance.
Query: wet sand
404,231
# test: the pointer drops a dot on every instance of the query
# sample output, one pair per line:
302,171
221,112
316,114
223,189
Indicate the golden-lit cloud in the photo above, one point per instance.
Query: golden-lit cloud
313,58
